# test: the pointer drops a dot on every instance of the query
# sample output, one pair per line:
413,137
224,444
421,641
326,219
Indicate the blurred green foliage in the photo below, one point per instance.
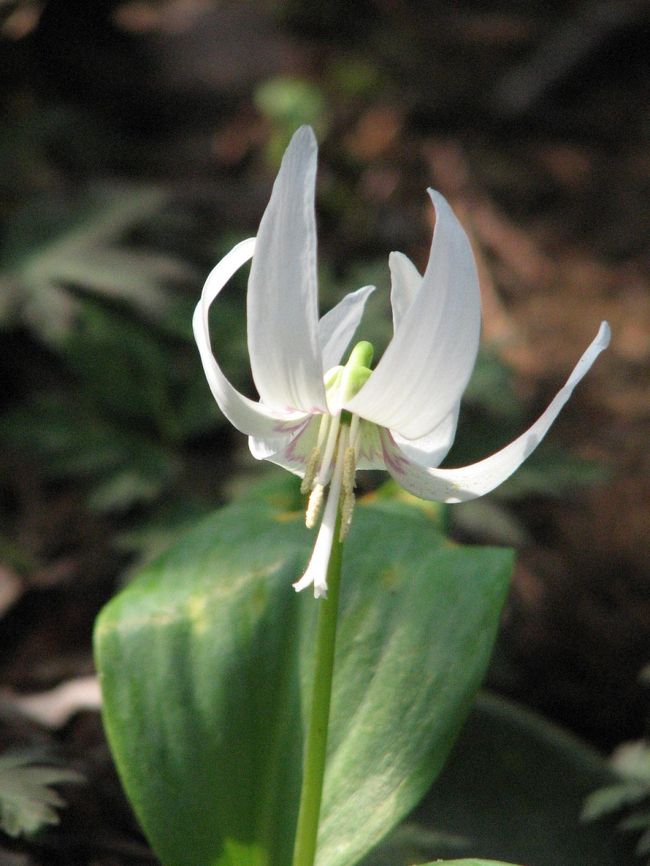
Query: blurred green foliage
289,103
629,797
112,397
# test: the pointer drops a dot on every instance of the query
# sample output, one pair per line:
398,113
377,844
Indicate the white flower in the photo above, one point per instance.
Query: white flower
323,421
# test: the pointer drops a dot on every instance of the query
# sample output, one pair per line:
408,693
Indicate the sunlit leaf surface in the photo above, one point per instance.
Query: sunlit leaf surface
205,665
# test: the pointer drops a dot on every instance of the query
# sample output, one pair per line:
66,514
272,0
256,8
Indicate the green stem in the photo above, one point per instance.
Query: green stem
304,852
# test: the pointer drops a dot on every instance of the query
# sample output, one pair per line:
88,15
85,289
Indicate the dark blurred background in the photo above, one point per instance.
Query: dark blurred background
139,141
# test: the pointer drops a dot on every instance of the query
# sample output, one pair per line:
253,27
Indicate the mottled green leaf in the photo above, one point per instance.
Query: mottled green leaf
205,663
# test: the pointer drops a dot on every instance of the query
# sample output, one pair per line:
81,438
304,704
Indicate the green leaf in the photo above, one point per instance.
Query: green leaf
27,803
513,789
205,661
411,843
471,862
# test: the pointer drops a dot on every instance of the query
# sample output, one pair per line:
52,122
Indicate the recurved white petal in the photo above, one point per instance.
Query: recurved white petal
337,327
246,415
468,482
427,364
282,302
432,448
405,280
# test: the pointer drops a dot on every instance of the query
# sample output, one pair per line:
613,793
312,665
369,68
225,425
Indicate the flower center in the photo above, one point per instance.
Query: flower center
336,453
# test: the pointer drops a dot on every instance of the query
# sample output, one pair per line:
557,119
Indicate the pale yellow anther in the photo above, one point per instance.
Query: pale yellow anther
314,506
349,469
347,485
347,507
310,471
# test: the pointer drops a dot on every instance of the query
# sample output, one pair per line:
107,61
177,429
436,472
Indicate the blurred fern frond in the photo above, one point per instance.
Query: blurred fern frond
27,801
49,251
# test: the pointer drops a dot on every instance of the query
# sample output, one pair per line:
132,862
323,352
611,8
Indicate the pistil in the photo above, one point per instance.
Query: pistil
323,474
333,461
316,572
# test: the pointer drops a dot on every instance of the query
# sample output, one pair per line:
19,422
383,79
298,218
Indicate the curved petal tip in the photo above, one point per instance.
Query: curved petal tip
604,335
304,133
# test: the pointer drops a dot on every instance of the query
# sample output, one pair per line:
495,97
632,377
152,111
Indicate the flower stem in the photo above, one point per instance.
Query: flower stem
304,852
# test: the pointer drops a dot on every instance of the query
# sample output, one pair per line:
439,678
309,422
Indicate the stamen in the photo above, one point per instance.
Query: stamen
314,458
314,506
347,509
349,468
348,484
310,471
